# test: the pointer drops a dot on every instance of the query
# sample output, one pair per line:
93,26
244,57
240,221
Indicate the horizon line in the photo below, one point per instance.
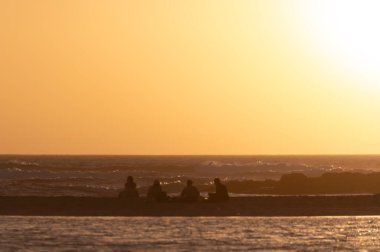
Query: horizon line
179,155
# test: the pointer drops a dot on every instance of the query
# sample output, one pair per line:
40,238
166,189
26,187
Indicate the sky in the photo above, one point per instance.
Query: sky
189,77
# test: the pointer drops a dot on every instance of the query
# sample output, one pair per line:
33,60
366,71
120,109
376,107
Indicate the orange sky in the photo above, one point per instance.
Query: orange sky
186,77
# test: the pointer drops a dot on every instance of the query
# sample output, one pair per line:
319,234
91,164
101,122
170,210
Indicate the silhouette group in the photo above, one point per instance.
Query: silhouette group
189,193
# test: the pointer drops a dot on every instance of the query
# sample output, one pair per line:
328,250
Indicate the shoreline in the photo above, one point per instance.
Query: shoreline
236,206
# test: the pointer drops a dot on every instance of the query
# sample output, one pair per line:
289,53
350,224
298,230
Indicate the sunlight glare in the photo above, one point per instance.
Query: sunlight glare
347,30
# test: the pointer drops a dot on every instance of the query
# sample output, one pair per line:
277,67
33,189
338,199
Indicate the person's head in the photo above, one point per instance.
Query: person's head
189,182
216,181
156,182
129,179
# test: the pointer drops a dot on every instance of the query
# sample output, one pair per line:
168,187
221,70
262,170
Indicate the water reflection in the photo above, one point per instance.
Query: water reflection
187,233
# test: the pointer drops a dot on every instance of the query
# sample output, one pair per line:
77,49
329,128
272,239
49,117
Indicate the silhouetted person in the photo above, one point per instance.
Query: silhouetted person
221,193
190,193
130,191
155,192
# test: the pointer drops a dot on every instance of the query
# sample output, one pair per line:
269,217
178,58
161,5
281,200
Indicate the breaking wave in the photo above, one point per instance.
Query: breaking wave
105,175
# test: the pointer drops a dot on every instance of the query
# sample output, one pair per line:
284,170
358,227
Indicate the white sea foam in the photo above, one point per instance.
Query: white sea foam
89,175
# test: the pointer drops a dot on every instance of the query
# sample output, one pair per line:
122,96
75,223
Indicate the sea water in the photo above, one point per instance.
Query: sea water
28,233
105,175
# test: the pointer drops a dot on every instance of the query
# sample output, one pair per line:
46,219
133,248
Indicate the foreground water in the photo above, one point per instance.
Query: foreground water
188,233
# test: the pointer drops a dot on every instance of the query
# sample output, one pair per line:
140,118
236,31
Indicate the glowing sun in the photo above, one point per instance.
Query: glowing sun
348,31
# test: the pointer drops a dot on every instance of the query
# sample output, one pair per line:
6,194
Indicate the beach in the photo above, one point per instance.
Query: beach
236,206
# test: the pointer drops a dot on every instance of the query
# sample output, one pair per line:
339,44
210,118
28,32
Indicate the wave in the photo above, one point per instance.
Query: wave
104,175
21,163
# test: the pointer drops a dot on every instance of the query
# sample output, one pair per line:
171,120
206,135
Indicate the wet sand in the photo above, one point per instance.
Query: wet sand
237,206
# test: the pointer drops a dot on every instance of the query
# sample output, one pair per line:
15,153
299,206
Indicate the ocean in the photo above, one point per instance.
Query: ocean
22,175
100,176
27,233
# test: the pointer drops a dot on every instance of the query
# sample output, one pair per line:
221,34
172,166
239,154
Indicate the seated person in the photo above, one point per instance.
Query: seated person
190,193
221,193
130,191
155,192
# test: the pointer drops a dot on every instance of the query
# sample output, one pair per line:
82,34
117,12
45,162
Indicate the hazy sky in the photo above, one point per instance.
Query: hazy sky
189,77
